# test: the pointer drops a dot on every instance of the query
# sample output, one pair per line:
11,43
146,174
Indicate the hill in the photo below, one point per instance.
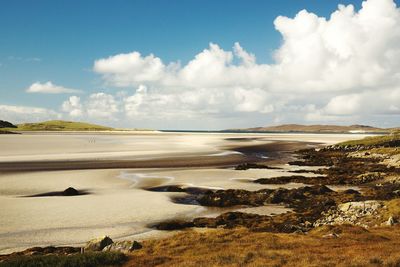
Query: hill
317,129
6,124
58,125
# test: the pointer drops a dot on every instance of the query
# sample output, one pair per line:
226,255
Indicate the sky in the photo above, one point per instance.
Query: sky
200,64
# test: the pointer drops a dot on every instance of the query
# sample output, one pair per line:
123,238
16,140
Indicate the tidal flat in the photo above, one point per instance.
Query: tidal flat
117,170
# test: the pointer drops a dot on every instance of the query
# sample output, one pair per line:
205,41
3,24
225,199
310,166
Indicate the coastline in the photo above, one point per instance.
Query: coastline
107,189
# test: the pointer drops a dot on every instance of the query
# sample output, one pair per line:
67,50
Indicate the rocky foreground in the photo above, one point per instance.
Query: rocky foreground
365,218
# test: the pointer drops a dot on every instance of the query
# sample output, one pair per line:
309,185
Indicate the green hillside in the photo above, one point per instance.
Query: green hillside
58,125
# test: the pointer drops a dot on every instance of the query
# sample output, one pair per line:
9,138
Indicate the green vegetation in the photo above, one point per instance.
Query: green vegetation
383,140
58,125
76,260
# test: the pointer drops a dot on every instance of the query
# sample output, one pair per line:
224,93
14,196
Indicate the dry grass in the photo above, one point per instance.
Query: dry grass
372,141
355,246
393,209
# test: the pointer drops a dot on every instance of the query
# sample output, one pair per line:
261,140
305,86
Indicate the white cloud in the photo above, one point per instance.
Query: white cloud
101,105
49,88
344,104
347,51
127,69
97,106
19,114
341,69
252,101
73,106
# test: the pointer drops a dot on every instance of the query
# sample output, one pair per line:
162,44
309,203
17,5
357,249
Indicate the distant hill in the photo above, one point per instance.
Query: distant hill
58,125
298,128
6,124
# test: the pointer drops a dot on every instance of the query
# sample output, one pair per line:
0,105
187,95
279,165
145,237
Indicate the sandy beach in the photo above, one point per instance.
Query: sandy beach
116,170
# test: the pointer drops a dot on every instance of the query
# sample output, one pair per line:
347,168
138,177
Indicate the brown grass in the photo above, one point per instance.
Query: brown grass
355,246
372,140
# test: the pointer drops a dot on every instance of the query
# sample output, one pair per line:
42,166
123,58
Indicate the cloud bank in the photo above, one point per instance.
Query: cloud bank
341,69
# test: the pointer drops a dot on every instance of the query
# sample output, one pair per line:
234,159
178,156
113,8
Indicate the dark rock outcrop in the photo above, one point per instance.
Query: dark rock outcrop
293,179
6,124
246,166
70,191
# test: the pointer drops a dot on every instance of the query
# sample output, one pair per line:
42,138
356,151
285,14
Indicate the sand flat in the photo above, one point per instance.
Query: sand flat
117,206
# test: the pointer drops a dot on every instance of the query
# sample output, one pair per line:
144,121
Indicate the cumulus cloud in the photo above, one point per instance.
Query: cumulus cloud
50,88
132,68
96,106
101,105
73,106
19,114
347,51
341,69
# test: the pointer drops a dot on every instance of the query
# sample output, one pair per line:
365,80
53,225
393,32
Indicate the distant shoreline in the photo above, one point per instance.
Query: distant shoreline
269,132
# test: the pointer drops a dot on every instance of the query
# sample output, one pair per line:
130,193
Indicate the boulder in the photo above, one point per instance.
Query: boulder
70,191
98,244
124,246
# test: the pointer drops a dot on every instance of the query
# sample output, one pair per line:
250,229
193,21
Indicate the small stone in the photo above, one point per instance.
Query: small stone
391,221
307,224
331,235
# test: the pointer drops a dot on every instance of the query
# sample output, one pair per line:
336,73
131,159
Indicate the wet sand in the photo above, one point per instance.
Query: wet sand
118,204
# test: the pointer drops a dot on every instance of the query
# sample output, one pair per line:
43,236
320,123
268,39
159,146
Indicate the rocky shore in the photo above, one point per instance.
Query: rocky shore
313,205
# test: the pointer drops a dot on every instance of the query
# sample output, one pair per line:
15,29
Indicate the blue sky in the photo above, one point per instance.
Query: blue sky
59,41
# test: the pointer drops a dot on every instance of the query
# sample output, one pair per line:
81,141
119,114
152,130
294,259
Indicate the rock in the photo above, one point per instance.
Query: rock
246,166
172,225
6,124
98,244
391,221
345,207
332,235
167,188
70,191
123,246
351,212
351,191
